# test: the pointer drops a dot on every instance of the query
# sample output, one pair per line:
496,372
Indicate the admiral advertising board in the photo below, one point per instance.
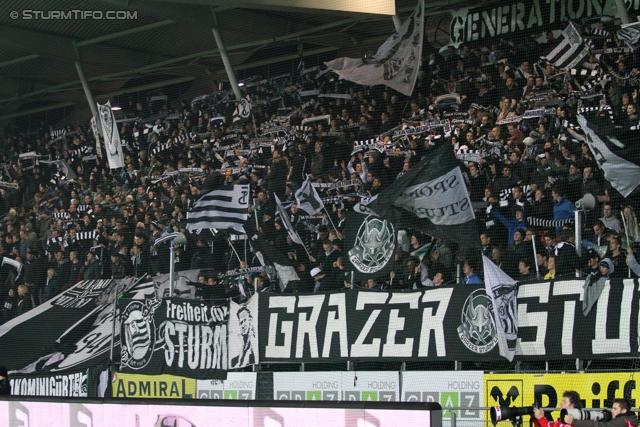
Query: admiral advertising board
237,386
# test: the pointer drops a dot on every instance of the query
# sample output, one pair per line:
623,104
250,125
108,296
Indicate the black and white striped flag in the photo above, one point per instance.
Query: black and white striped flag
569,51
221,209
630,33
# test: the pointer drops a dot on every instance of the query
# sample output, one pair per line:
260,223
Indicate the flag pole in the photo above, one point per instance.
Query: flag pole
255,214
535,256
626,232
245,251
234,251
306,250
330,220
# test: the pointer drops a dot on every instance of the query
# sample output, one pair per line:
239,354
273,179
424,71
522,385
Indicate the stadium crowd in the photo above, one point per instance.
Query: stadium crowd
524,174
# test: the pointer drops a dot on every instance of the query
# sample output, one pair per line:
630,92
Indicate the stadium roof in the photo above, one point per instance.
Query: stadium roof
142,45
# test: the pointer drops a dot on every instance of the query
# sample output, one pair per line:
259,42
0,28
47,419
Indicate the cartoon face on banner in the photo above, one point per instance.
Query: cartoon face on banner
138,332
374,245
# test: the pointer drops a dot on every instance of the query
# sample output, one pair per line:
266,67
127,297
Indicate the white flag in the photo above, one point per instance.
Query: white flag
308,199
502,291
112,144
395,64
286,222
243,110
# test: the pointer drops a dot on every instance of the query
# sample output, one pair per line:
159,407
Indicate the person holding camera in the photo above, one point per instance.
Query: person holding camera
620,416
570,400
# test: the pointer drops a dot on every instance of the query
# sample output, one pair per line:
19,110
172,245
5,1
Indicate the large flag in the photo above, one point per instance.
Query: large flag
308,199
569,50
395,64
616,153
502,291
286,222
243,110
372,242
432,197
111,136
224,208
268,254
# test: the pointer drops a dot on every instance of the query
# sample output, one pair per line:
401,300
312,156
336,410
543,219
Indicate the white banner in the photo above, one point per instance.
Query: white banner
112,144
243,333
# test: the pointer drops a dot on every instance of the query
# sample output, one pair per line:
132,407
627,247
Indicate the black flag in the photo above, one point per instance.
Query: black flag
614,149
432,198
372,242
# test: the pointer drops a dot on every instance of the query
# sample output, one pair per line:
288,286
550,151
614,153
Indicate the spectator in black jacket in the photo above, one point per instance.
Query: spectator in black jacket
51,286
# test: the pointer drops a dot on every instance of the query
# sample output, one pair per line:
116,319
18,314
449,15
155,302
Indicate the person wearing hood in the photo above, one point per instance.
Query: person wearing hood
594,283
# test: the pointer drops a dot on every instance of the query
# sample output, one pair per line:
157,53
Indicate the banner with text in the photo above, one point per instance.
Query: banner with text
174,336
71,384
446,322
524,17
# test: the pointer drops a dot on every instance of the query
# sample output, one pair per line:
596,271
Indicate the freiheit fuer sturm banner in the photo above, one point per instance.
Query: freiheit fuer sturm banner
447,322
174,336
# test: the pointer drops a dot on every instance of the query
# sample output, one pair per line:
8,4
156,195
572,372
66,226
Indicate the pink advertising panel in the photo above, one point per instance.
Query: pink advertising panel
54,414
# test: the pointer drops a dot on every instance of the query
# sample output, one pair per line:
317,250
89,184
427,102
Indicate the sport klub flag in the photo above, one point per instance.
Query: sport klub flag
395,64
569,50
614,149
432,197
243,110
308,199
111,136
224,208
502,292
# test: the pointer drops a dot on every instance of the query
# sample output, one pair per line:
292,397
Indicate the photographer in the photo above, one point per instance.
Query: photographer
570,400
621,417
